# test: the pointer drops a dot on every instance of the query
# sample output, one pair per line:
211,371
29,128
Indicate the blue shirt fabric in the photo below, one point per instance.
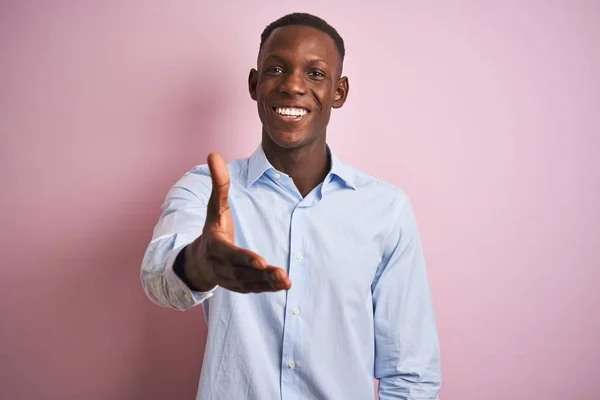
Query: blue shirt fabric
359,307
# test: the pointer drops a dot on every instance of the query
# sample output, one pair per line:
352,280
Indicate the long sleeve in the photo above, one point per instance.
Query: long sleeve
180,223
407,354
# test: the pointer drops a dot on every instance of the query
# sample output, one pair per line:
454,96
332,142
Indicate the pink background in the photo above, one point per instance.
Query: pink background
486,112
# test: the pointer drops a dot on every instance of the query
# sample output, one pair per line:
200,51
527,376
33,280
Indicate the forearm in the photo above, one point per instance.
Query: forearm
161,283
407,356
411,369
410,387
181,222
189,269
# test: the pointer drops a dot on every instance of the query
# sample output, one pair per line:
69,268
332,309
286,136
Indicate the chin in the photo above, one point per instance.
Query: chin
289,139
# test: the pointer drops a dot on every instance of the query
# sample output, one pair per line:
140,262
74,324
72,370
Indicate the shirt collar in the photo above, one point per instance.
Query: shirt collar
341,170
258,165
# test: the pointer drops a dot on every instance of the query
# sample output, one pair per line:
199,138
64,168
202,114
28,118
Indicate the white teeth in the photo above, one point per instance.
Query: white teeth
291,112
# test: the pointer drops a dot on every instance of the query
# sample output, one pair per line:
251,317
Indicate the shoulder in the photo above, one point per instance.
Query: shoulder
197,180
393,204
388,196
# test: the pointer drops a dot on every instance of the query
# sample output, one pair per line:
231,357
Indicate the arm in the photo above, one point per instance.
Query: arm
407,355
181,222
193,245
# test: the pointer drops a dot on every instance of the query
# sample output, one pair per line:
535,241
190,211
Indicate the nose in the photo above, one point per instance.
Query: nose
293,84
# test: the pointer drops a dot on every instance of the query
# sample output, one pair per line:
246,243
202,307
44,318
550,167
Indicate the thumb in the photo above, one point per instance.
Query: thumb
218,202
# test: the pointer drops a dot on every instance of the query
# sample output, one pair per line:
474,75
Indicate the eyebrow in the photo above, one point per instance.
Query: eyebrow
280,58
319,60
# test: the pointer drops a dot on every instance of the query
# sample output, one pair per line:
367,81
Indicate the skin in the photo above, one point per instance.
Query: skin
297,66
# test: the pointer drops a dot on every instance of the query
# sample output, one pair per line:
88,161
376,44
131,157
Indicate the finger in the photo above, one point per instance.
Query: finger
258,287
219,174
240,274
279,277
261,286
231,254
233,276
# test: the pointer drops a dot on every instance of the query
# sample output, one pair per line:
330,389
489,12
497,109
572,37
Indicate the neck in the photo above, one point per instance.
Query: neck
307,166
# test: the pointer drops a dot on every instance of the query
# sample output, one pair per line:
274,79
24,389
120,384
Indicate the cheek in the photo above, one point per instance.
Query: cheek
261,103
325,102
264,89
325,96
325,114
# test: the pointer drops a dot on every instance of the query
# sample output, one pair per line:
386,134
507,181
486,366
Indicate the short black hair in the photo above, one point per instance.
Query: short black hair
305,20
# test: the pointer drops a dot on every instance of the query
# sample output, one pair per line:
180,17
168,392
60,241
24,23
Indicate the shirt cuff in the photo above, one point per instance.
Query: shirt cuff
181,292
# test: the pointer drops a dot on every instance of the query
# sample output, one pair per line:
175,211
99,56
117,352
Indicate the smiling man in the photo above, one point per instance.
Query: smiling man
311,273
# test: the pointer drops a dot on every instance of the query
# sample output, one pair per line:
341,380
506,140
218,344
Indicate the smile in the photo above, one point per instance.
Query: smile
291,113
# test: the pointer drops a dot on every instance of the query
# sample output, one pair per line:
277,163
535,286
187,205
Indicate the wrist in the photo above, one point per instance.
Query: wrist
193,270
180,269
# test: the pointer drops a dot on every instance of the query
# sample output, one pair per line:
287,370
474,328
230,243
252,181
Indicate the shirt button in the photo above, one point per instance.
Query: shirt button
295,311
187,296
299,256
292,364
277,176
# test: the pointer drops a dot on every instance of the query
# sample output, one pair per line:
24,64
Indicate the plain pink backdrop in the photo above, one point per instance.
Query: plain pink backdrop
486,112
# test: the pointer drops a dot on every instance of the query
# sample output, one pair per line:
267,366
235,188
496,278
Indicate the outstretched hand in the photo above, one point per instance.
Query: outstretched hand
213,257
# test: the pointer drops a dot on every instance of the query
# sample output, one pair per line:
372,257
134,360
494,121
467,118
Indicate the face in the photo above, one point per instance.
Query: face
296,84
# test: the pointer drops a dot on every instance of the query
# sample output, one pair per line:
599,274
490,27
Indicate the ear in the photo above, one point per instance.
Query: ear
341,92
252,83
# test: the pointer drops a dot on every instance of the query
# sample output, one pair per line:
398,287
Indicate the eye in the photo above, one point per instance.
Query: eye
274,71
317,74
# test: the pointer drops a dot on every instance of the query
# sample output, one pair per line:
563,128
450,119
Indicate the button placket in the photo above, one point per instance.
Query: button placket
293,323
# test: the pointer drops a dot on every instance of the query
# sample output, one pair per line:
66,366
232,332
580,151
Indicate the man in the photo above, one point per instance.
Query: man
310,272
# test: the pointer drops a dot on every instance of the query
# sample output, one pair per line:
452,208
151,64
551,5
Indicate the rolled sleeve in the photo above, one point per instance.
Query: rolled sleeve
161,283
407,354
181,222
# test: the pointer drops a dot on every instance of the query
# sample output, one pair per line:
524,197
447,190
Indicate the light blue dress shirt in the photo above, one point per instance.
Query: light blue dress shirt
359,307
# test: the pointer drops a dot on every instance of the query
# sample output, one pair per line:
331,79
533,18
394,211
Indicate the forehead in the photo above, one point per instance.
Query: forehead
299,41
